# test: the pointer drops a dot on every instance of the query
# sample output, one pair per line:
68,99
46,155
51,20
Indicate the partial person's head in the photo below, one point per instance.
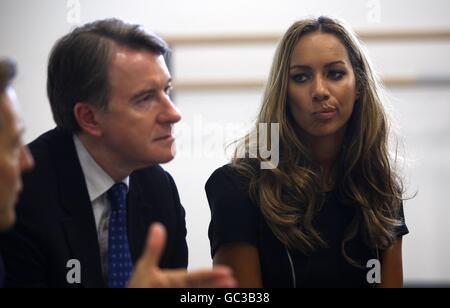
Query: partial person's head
14,156
109,80
321,81
321,87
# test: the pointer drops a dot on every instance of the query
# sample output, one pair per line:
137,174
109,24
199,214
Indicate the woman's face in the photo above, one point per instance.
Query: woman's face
322,86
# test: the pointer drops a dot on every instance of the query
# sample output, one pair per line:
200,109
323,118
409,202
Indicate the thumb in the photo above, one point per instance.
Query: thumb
156,242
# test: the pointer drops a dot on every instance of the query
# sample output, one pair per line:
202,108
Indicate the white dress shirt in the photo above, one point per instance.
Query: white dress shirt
98,183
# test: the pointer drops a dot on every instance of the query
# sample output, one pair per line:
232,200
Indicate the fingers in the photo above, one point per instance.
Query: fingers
218,277
156,242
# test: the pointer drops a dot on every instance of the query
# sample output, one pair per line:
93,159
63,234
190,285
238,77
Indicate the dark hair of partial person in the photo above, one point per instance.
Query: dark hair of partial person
78,65
289,196
7,74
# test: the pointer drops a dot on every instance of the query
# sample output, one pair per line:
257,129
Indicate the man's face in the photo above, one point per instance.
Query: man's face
14,157
137,128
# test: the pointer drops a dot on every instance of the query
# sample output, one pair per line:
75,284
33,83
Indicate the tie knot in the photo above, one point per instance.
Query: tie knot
117,196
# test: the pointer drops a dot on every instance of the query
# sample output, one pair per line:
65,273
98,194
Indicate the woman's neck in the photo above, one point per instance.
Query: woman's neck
324,152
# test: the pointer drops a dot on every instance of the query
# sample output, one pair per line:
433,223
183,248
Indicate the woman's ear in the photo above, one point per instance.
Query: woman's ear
86,116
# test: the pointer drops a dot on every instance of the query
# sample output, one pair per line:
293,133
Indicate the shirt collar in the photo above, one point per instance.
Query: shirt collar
97,180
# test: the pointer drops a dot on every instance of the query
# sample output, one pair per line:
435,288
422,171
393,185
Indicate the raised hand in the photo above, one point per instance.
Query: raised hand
147,273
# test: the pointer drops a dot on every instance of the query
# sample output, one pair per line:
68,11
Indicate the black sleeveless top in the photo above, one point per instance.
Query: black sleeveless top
236,219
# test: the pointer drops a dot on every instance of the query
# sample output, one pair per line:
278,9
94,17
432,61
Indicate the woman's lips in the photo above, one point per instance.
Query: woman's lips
325,115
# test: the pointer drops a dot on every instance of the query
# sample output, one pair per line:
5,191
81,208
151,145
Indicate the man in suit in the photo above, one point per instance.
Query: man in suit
14,156
97,186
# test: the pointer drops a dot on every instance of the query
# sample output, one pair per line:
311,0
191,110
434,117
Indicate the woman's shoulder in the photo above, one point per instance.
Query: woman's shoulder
225,170
234,217
228,175
227,188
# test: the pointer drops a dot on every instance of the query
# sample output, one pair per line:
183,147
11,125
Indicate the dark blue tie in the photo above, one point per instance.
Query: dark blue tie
120,265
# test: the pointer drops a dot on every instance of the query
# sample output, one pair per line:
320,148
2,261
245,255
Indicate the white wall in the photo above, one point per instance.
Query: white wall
28,29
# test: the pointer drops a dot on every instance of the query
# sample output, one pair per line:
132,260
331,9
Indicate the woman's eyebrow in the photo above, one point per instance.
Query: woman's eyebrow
306,67
334,63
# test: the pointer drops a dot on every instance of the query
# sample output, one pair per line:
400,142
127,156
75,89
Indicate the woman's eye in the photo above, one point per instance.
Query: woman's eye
300,78
336,75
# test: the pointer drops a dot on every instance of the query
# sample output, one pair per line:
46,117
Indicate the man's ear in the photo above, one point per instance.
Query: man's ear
86,116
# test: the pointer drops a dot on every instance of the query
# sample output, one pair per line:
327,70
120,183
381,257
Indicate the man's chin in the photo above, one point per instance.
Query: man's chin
7,221
159,160
168,155
167,159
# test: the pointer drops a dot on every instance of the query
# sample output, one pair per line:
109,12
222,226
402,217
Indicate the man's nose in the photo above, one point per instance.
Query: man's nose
171,113
26,159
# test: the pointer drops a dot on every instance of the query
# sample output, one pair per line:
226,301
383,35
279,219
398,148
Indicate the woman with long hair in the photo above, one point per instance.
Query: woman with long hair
329,212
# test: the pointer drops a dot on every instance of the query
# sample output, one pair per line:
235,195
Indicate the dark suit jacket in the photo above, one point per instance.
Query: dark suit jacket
55,220
2,272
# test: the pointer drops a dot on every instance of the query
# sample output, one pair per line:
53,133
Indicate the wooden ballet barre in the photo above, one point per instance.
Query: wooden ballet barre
194,85
245,84
442,34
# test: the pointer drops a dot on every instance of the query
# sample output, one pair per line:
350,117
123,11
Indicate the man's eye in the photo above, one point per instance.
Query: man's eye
168,89
145,98
16,143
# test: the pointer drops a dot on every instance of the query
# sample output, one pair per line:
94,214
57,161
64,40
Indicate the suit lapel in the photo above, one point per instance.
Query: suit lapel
139,215
78,218
145,206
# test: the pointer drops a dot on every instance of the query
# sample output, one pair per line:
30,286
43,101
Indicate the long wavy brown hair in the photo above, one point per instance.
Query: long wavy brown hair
289,196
